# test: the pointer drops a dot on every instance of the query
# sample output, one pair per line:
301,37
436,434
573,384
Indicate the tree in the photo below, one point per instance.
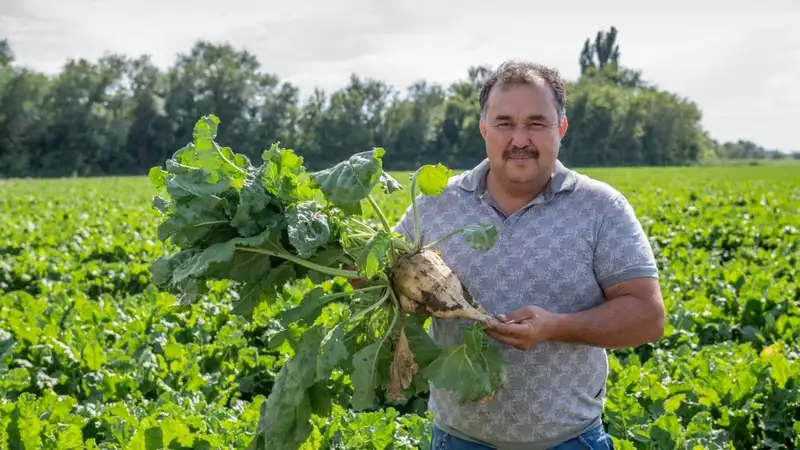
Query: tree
600,53
120,115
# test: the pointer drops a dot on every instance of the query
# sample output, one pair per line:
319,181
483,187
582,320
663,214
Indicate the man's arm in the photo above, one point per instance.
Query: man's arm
625,268
632,315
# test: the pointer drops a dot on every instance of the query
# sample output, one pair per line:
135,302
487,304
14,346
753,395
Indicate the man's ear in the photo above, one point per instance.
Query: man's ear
562,130
482,127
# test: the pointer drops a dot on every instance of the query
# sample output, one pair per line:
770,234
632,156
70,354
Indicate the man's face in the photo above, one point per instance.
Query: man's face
522,132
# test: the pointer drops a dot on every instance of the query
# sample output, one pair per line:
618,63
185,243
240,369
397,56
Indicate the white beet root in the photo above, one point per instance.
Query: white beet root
425,285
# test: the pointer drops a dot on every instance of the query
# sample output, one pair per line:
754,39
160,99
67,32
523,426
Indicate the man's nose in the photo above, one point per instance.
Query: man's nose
520,138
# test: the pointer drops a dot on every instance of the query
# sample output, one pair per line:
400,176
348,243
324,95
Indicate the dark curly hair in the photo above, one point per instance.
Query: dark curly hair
524,72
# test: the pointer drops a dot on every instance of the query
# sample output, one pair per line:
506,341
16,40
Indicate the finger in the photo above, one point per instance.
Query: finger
518,331
492,324
519,344
512,341
521,314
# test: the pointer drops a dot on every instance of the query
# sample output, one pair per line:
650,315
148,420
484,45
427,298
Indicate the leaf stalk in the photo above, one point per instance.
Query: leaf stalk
352,274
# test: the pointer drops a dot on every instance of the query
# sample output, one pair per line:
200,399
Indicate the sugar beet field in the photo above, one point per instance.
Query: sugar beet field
93,355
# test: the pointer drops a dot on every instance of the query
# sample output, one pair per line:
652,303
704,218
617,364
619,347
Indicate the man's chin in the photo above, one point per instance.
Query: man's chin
522,163
521,170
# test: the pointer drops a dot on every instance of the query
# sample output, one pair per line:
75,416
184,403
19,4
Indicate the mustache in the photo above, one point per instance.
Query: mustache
521,151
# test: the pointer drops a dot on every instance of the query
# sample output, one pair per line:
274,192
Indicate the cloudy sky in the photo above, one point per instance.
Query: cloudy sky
739,60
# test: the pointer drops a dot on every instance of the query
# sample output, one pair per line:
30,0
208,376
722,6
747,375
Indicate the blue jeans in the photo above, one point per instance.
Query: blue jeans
594,439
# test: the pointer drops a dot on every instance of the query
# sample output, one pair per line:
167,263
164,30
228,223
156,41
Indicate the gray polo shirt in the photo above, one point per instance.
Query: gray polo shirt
558,252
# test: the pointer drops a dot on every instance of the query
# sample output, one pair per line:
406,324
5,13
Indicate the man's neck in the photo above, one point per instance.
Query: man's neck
512,196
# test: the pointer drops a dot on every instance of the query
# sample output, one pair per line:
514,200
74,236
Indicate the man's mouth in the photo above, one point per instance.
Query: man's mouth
523,155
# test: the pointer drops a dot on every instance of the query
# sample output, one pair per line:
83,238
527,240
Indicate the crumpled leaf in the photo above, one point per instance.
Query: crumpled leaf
285,177
162,269
389,184
371,371
157,177
194,220
475,368
221,252
308,310
265,289
432,180
254,211
332,352
217,163
372,258
350,181
480,236
185,273
309,228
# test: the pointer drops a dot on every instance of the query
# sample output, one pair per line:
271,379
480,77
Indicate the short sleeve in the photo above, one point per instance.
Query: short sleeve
622,250
406,224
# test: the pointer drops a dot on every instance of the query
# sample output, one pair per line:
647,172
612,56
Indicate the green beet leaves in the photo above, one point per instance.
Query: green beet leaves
286,240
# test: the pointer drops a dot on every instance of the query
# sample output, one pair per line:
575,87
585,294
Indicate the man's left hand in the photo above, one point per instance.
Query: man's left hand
523,329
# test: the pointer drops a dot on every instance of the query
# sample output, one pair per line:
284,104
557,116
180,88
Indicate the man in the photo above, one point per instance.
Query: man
571,274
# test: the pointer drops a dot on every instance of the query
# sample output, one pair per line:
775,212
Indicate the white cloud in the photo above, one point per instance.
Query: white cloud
739,61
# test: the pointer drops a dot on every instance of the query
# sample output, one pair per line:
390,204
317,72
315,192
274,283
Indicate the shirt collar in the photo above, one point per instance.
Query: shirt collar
561,180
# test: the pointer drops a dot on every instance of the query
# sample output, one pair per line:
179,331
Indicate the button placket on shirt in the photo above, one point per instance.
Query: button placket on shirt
494,213
507,222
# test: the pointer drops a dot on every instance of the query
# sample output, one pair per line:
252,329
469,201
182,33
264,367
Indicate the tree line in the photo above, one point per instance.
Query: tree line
121,115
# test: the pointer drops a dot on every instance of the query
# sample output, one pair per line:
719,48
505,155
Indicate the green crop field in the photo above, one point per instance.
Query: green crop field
92,355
